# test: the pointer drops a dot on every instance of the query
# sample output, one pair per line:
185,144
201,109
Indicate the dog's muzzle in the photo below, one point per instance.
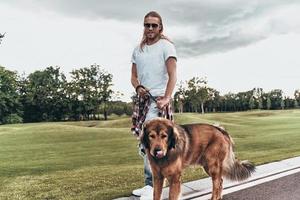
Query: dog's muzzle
158,153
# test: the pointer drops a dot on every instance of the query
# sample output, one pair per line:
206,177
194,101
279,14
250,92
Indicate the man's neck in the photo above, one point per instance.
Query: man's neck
152,41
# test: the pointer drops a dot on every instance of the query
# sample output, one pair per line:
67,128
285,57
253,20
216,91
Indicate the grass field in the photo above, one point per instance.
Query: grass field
99,160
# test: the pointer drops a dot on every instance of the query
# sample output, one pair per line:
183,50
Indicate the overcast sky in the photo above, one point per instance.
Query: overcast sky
236,44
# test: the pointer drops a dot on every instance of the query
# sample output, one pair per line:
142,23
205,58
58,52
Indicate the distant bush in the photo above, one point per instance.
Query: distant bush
13,119
117,107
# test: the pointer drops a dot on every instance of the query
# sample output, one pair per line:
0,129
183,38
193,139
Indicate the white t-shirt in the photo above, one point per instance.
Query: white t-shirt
151,65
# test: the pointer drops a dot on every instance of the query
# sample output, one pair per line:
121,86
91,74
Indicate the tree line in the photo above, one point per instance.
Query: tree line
47,95
196,96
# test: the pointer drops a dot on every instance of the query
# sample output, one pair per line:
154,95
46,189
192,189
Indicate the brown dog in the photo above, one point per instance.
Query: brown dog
171,147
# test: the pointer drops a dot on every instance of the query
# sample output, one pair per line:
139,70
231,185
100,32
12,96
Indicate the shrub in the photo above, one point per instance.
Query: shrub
13,119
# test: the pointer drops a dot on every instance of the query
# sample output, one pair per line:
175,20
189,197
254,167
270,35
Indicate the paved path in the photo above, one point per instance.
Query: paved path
285,188
201,189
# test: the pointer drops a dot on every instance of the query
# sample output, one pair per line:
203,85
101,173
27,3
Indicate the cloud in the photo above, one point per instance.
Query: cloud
238,26
215,25
214,45
91,9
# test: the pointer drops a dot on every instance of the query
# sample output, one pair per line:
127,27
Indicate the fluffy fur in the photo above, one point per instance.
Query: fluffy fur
170,148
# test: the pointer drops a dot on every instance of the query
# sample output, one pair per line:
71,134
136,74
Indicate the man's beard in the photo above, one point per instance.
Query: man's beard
152,36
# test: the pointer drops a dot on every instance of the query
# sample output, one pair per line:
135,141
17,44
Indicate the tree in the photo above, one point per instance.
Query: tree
244,99
90,87
297,97
251,103
10,104
269,103
260,103
289,103
44,95
198,93
230,100
258,95
105,92
216,101
296,104
276,98
282,104
179,98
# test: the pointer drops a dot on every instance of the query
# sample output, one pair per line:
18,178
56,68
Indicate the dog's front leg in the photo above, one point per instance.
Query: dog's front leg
175,187
158,185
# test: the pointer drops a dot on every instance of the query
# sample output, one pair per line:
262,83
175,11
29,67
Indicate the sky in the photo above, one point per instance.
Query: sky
236,44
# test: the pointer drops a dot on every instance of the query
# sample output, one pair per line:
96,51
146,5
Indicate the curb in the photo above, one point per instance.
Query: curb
201,189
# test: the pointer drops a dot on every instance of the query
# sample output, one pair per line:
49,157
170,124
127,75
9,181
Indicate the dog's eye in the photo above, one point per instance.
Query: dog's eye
152,136
163,136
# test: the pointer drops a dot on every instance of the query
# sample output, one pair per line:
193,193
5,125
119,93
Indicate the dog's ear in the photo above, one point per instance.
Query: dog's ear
173,137
145,138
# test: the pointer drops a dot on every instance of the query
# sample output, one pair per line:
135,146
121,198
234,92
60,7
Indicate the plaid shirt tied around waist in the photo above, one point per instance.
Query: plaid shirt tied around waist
141,107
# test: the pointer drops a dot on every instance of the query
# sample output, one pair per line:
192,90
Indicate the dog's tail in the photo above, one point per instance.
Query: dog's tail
237,170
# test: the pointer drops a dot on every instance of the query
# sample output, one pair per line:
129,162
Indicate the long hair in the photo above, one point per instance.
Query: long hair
161,35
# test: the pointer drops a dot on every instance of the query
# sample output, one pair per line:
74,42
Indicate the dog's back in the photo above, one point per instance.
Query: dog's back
201,139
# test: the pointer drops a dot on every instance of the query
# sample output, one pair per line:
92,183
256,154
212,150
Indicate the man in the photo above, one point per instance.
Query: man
153,75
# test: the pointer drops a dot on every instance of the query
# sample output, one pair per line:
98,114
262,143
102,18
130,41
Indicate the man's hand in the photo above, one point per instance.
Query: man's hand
141,91
162,101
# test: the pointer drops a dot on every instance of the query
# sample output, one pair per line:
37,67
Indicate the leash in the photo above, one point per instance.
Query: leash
147,91
152,97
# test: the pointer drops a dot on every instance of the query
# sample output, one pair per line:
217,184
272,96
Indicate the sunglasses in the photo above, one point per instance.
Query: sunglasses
149,25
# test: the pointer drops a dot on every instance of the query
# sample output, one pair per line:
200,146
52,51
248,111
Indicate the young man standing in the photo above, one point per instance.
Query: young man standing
153,75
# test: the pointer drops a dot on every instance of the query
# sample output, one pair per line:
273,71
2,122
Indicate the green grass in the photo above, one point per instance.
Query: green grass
99,160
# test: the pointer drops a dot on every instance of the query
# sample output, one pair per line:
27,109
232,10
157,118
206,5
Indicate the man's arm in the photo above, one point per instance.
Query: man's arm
135,81
134,77
171,69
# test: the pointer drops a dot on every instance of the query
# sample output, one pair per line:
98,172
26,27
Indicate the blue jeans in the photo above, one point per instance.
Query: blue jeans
147,169
152,113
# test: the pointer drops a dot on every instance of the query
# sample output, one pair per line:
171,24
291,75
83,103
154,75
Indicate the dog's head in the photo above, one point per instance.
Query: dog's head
158,137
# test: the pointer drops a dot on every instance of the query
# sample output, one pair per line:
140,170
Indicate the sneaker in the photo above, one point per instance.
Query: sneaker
147,194
145,191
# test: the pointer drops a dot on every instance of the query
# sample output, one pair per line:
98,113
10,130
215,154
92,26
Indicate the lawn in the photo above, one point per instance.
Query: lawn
99,160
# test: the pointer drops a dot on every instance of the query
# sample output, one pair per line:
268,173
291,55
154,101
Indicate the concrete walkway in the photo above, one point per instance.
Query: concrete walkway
201,189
